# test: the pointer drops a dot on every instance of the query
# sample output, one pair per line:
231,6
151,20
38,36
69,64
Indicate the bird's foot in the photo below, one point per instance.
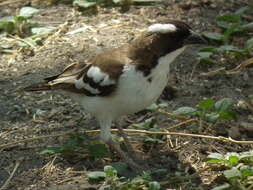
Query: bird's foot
128,159
129,146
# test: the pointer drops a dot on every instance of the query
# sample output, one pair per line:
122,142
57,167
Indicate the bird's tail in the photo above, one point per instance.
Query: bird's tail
38,87
52,83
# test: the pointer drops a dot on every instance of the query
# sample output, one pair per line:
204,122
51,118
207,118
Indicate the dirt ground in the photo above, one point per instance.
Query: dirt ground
25,115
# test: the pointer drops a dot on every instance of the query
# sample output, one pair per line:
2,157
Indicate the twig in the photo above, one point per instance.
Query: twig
183,123
179,117
8,145
221,70
131,132
236,70
9,2
7,182
244,64
23,40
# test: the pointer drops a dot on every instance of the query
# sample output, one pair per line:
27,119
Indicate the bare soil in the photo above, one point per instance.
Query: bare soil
25,115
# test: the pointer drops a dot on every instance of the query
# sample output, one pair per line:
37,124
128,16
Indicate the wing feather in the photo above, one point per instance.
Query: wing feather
99,77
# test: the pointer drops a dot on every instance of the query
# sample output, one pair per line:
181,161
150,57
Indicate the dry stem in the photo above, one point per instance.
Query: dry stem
7,182
131,132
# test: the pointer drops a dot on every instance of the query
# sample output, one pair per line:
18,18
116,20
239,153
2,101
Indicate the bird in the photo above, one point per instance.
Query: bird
125,79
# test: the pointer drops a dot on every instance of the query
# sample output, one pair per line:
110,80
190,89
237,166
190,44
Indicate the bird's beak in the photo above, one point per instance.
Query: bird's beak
195,38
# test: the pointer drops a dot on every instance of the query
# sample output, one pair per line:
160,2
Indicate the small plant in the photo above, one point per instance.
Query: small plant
209,110
238,171
230,25
149,125
21,26
77,144
113,182
17,25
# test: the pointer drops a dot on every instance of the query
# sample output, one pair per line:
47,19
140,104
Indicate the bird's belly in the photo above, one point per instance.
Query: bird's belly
135,92
140,94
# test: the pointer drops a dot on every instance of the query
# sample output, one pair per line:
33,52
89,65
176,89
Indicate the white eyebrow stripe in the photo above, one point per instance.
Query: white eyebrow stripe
162,28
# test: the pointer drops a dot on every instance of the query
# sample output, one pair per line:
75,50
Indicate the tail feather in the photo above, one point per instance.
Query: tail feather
61,81
38,87
52,83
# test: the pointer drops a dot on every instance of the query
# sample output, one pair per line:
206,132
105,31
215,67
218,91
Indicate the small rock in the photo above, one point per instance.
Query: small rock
242,105
247,126
234,132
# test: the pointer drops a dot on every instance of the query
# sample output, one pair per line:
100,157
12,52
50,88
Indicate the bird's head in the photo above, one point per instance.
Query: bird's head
175,34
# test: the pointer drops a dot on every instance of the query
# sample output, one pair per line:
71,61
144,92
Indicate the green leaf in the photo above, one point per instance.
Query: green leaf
146,2
159,172
213,36
28,11
225,186
96,176
228,115
233,160
230,31
215,158
19,19
163,105
204,54
212,117
225,48
224,105
246,155
204,57
153,140
147,124
207,60
110,171
154,185
52,150
232,173
229,18
247,27
223,24
74,142
7,26
189,111
247,172
120,167
206,104
153,107
42,30
249,43
208,49
98,149
84,3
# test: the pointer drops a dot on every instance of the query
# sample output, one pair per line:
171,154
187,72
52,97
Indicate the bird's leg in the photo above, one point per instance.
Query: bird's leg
107,138
134,166
127,143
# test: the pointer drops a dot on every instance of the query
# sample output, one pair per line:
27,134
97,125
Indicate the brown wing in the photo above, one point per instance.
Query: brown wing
97,78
